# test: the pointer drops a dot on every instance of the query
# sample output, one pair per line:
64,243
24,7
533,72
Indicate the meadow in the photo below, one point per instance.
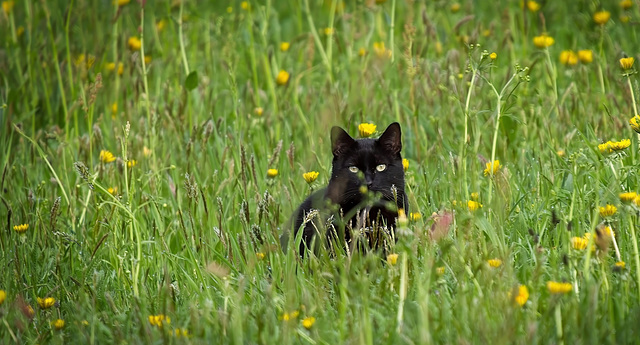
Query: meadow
152,152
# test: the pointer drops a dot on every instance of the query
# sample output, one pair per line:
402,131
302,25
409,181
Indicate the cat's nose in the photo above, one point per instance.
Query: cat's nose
368,180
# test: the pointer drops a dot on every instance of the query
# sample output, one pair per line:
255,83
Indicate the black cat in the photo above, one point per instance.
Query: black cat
365,191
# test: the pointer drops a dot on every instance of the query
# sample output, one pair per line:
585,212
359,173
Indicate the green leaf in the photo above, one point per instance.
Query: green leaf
192,81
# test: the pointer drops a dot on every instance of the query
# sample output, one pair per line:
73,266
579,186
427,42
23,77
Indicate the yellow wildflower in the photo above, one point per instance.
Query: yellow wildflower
159,320
380,50
291,315
568,57
559,288
440,270
620,265
523,295
3,296
362,52
405,164
284,46
486,33
626,4
328,31
134,43
160,24
308,322
244,5
608,211
114,108
366,129
533,6
310,176
473,205
628,196
146,152
282,78
455,7
111,66
7,6
106,156
543,41
601,17
585,56
494,262
493,56
611,146
272,173
131,163
260,255
229,9
579,243
415,216
560,153
58,324
112,190
625,18
122,2
475,196
258,111
182,332
492,168
21,228
46,303
392,259
626,63
147,59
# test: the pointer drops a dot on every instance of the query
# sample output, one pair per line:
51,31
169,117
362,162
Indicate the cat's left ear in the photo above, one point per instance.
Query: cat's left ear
391,139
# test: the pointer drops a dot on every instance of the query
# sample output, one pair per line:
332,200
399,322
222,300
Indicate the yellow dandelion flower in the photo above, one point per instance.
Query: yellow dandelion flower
328,31
21,228
620,265
310,176
415,216
601,17
568,57
473,205
543,41
282,78
272,173
402,218
134,43
579,243
308,322
492,168
146,152
106,156
494,263
405,164
455,7
366,129
380,50
560,153
122,2
258,111
46,303
85,323
284,46
392,259
626,63
160,24
611,146
475,196
290,316
58,324
181,332
440,270
3,296
159,320
7,6
493,56
628,196
559,288
608,211
114,108
131,163
523,295
260,256
147,59
244,5
626,4
585,56
533,6
362,52
486,33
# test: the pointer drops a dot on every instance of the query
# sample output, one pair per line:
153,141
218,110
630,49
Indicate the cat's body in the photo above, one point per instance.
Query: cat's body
365,191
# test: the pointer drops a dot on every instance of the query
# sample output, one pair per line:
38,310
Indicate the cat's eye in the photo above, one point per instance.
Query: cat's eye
381,167
353,169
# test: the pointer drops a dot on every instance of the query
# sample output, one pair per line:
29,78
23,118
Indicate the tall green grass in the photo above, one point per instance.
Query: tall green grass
184,222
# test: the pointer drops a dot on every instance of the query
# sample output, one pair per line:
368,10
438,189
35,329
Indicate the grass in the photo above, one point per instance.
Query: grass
176,239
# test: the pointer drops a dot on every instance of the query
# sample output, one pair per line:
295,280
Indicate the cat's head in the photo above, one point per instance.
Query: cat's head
374,163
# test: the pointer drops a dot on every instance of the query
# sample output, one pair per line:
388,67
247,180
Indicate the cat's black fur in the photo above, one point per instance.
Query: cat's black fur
344,206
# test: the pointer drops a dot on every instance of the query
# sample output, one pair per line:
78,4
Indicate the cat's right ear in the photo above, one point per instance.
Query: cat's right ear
341,141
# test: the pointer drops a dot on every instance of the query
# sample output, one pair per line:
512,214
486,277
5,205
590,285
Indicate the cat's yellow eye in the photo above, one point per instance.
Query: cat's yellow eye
381,167
353,169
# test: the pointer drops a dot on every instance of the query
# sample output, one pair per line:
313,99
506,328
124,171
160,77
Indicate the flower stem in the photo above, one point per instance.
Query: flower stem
558,317
635,254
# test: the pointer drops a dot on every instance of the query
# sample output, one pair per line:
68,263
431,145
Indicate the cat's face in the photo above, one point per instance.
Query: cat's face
373,163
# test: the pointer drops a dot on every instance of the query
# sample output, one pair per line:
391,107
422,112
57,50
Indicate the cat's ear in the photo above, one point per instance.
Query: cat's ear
391,139
341,141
